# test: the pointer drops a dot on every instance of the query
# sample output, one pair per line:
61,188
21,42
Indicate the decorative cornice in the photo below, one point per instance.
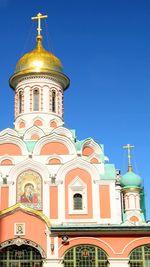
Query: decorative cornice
27,210
131,189
21,241
103,230
53,76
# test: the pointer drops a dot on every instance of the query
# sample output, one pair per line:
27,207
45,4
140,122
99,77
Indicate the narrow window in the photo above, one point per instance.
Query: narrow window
20,102
77,201
53,101
36,100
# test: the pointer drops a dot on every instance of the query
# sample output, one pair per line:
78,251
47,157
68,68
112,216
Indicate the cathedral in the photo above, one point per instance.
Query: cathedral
62,204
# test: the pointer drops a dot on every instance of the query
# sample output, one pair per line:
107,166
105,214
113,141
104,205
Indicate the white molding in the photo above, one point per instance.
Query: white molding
33,130
7,138
54,138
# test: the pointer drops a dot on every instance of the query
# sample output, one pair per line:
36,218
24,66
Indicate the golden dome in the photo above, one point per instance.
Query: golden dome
39,61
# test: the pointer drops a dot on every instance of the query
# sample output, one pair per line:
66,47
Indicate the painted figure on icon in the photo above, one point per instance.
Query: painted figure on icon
29,195
29,189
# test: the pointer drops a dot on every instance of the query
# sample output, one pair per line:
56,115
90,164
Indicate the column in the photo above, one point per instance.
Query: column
124,262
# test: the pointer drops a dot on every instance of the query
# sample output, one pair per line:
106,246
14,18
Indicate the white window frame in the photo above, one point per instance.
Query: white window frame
39,99
77,186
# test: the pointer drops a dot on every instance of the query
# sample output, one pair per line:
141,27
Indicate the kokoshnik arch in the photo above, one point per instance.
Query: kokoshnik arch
62,203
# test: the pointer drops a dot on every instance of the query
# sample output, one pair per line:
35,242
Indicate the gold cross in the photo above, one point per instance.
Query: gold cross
39,17
128,146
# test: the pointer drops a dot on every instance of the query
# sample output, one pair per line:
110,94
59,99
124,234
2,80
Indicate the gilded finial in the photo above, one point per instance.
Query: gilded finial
128,147
39,17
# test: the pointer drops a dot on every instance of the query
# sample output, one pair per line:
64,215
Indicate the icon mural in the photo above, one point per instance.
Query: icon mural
19,229
29,190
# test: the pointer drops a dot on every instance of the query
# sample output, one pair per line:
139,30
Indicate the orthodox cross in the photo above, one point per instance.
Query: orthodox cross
39,17
128,147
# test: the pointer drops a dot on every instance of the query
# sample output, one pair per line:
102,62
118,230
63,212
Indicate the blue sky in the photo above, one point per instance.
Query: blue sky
105,50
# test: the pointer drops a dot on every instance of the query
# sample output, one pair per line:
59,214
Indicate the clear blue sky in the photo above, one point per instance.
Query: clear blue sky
105,50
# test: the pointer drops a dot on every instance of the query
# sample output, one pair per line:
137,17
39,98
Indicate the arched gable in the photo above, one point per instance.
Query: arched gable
26,165
9,131
54,144
77,163
94,160
38,122
22,124
55,123
54,148
34,130
6,160
12,145
10,149
25,209
54,161
87,174
64,132
90,147
32,220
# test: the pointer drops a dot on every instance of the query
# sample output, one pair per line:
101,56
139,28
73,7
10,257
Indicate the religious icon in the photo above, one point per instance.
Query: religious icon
19,229
29,195
29,189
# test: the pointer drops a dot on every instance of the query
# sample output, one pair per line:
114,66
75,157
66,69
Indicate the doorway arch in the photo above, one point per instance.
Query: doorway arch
20,256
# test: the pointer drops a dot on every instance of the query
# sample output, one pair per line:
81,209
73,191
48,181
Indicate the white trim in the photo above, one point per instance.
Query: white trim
73,189
54,138
9,131
9,139
33,130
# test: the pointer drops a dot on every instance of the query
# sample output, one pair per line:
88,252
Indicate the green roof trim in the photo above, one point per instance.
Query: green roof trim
142,203
30,145
103,230
79,144
109,172
73,133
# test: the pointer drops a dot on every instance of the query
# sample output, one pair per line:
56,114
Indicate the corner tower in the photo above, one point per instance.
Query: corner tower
39,84
132,193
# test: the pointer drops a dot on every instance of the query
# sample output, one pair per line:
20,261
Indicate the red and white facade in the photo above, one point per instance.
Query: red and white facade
58,192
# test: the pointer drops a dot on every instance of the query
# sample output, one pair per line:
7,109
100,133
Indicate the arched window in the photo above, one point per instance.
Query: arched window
53,101
20,102
77,201
36,99
85,256
20,256
140,257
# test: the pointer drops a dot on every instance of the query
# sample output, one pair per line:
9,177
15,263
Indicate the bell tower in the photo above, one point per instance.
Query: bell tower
39,84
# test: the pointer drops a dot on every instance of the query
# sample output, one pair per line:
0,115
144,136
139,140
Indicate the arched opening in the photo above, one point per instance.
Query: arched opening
140,257
53,101
20,256
36,100
85,256
77,201
20,102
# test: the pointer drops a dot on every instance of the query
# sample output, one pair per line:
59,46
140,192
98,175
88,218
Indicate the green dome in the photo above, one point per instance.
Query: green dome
130,179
